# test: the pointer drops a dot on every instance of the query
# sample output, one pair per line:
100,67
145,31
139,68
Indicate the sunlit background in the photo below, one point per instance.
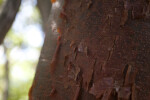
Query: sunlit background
20,52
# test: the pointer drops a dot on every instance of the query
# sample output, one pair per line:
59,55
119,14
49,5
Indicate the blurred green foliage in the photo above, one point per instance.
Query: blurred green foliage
20,91
21,70
1,2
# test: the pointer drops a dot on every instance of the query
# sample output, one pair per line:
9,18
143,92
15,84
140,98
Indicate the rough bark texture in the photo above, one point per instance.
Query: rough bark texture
8,16
96,50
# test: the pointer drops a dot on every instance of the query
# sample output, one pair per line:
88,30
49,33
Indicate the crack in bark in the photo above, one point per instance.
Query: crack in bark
54,59
110,52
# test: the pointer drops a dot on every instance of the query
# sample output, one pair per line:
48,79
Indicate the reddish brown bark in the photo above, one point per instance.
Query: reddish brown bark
104,52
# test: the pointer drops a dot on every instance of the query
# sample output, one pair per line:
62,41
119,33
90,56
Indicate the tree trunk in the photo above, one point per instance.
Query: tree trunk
44,8
96,49
6,89
8,16
6,77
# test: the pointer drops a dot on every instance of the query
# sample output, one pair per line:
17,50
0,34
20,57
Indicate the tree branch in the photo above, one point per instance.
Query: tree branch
8,16
44,8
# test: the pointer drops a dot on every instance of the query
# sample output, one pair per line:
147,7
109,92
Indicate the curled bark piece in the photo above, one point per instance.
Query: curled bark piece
89,35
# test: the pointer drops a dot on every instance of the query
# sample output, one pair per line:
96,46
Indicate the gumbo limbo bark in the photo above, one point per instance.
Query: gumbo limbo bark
96,49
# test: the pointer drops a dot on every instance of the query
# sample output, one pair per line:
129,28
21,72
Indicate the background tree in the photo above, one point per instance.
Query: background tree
7,16
44,8
15,50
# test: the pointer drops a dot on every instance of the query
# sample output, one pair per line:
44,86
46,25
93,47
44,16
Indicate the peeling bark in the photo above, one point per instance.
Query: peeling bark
104,51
